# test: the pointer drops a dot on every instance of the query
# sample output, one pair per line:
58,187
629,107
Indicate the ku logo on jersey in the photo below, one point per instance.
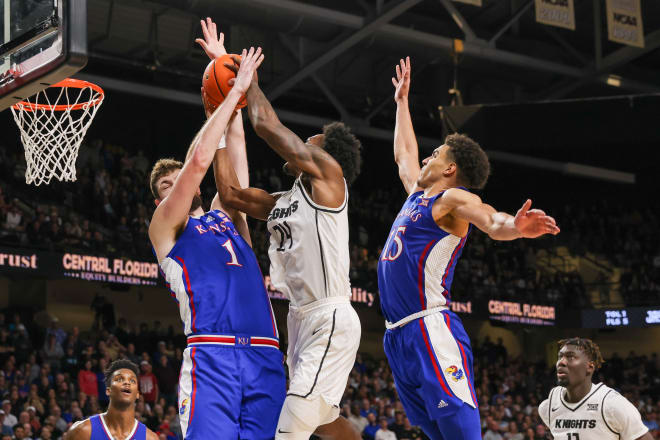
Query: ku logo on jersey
423,202
184,406
455,373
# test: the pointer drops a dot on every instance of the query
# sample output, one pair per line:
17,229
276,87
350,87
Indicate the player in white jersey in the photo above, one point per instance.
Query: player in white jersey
578,409
309,257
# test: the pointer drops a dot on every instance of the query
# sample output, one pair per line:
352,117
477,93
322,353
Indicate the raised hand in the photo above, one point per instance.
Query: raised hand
402,80
532,223
249,62
212,45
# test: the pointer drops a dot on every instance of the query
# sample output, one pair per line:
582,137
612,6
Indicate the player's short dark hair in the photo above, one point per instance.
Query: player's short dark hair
588,347
118,365
162,168
346,149
471,161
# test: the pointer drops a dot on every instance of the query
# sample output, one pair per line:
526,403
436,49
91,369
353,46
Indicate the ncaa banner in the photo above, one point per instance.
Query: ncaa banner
558,13
624,22
469,2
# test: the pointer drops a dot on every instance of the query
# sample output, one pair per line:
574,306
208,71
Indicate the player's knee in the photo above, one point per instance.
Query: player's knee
297,420
340,429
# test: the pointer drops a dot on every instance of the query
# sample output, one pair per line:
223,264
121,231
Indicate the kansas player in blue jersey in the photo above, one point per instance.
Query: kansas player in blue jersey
232,381
121,381
427,348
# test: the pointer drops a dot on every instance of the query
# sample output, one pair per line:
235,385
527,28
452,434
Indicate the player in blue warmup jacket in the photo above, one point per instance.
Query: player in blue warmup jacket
427,348
232,382
121,381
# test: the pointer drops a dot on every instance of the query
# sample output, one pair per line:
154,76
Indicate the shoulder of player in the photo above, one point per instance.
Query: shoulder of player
457,196
612,399
151,435
81,430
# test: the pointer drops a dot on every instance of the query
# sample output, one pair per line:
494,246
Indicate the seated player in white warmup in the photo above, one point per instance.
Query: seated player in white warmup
578,409
309,258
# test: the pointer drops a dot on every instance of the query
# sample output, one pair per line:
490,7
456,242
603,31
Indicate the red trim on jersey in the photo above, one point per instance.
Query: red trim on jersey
190,294
420,274
263,341
107,434
212,339
221,339
451,261
194,384
464,358
433,361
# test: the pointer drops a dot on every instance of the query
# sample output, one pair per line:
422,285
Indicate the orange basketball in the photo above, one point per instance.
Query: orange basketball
216,82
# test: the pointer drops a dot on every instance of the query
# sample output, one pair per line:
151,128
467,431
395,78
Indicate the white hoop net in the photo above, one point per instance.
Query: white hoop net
52,129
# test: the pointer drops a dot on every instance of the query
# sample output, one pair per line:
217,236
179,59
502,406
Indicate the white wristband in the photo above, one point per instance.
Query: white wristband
222,144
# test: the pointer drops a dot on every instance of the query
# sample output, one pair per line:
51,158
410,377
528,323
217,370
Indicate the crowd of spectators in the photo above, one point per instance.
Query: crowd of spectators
51,378
108,210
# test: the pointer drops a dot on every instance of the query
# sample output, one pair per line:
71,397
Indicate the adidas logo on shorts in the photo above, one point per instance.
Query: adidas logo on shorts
442,404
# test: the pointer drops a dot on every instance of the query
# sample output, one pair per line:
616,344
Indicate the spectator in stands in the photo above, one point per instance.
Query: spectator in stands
383,432
357,419
148,383
10,420
87,381
369,431
5,430
52,351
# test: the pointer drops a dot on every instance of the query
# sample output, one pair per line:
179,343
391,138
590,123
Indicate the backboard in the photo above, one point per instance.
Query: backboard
41,43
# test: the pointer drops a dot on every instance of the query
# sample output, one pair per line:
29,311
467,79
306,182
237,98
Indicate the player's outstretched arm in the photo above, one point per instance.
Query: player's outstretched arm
527,223
313,160
406,150
213,45
172,212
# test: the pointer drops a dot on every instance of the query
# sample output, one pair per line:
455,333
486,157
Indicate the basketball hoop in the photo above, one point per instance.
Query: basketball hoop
53,127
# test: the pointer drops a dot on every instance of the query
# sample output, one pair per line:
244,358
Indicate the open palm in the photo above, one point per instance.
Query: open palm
532,223
213,45
402,81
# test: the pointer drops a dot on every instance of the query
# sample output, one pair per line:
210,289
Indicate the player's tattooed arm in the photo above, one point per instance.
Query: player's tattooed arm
527,223
406,150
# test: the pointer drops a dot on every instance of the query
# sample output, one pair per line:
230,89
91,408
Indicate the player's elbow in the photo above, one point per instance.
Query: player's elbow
266,128
199,161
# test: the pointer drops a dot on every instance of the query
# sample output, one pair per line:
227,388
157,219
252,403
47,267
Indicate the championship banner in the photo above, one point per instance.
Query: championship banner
624,22
469,2
558,13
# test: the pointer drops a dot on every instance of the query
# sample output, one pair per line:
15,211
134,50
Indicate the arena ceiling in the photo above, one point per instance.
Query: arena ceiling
334,59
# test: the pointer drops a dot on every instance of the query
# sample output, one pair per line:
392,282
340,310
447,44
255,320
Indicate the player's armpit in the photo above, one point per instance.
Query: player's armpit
255,202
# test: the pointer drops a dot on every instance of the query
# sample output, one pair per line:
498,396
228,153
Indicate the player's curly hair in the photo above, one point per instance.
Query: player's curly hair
471,161
162,168
118,365
341,144
588,347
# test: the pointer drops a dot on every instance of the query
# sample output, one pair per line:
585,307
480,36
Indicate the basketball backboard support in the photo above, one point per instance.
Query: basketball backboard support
41,43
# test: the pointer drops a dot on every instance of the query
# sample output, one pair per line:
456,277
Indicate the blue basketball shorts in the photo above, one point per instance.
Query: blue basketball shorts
431,360
231,391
